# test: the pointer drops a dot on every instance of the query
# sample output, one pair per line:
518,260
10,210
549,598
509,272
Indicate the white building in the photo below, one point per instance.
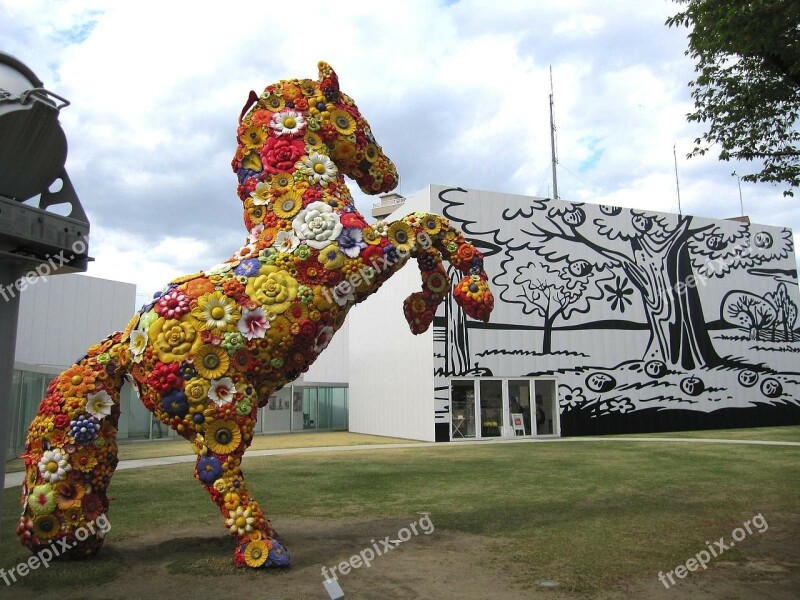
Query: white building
617,320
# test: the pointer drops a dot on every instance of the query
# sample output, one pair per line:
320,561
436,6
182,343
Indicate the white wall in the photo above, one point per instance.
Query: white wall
391,369
62,316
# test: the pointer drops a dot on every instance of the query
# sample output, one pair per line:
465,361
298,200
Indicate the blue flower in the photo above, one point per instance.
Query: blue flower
248,267
84,429
175,404
278,556
350,242
209,469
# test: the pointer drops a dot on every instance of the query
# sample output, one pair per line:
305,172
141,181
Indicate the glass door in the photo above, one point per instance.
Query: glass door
491,403
462,409
519,406
546,407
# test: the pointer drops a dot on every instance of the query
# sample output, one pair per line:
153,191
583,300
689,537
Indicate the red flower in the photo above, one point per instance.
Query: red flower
165,377
61,421
280,154
353,220
311,195
371,255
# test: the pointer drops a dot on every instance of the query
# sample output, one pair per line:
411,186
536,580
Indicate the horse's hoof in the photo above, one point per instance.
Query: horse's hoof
258,554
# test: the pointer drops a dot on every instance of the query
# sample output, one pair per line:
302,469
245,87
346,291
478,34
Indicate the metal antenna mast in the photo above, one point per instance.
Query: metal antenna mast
553,138
677,184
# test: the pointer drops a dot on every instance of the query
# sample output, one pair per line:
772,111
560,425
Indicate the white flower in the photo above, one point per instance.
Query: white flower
319,167
54,466
317,225
253,323
99,405
287,122
137,344
261,195
240,520
286,242
222,391
323,338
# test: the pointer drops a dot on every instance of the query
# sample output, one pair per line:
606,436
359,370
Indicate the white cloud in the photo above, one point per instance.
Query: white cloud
456,95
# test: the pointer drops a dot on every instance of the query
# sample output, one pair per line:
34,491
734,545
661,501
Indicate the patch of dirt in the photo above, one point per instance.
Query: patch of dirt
198,564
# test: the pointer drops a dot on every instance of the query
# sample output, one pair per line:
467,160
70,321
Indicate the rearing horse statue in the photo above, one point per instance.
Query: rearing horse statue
212,347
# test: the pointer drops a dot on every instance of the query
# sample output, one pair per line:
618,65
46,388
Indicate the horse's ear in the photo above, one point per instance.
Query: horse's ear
328,80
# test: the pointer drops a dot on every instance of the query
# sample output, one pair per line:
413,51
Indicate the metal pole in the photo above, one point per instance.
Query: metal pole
9,313
741,202
677,184
553,138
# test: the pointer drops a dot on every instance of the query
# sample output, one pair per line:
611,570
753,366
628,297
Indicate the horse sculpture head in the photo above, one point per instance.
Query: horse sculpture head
312,122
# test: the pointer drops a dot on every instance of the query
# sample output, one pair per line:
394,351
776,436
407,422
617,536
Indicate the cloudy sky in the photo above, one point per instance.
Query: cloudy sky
456,93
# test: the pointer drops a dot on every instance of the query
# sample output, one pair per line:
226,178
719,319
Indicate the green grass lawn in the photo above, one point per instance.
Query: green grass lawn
590,515
787,433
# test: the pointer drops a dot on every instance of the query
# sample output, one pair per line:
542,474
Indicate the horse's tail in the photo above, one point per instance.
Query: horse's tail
71,452
436,240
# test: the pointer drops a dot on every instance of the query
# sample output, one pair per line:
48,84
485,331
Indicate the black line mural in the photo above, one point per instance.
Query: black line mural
650,321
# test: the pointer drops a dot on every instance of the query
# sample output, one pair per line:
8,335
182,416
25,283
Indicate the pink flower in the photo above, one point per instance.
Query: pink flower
222,391
253,323
173,304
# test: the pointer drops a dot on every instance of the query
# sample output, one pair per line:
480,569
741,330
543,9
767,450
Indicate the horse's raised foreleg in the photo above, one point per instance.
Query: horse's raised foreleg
220,472
436,240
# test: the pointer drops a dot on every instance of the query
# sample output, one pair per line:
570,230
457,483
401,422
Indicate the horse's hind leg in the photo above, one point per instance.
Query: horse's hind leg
219,470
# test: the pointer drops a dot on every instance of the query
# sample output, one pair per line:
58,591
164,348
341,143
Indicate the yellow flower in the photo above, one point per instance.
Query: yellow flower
273,102
371,153
46,527
343,121
173,339
253,137
401,235
282,181
331,257
223,437
256,553
288,205
196,390
272,289
216,312
312,140
370,236
211,362
432,224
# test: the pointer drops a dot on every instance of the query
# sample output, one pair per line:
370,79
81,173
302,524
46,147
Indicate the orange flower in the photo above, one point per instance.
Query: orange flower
76,381
198,287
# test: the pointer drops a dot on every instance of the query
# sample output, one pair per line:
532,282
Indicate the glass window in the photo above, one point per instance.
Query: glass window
339,408
304,408
462,411
491,400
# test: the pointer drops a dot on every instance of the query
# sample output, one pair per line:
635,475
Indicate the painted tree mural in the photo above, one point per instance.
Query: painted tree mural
665,257
553,291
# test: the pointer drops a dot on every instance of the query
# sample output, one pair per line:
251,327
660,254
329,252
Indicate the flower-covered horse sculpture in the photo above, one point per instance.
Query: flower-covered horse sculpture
213,346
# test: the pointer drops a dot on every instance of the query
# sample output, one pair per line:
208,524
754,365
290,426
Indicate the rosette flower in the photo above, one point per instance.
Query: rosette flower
281,153
317,225
273,289
173,340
